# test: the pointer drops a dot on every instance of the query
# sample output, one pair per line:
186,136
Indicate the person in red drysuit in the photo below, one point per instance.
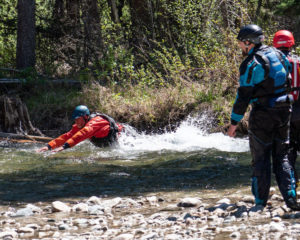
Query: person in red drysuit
100,129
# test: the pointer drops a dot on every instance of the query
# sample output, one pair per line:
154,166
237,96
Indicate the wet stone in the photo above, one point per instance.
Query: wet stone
171,207
189,202
229,219
43,235
125,236
96,210
94,200
171,218
173,237
224,201
24,212
149,236
248,199
25,230
137,218
63,227
110,203
240,212
277,212
219,212
212,218
58,206
152,200
272,191
276,227
235,235
276,197
276,219
80,207
8,235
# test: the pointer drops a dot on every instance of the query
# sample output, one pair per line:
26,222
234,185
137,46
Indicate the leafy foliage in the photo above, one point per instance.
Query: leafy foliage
289,7
142,48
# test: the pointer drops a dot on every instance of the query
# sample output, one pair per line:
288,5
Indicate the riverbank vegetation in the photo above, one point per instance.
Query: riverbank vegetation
145,62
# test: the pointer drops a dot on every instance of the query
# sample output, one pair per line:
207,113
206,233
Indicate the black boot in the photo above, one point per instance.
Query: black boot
292,204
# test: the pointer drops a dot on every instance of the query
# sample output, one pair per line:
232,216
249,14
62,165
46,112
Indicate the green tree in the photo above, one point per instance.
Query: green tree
289,7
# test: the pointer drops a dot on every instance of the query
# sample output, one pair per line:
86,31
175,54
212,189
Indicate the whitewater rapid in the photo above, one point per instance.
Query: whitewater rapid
190,136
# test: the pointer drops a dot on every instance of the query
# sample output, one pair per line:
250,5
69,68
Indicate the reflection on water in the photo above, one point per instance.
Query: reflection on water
187,159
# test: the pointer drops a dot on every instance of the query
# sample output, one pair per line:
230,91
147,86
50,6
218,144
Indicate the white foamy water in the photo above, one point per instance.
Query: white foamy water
191,135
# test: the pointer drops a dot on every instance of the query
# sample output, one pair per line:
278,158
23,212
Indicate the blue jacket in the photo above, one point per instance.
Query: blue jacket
263,79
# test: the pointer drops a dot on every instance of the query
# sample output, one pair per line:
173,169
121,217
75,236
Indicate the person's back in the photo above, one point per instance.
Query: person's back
106,135
263,78
269,80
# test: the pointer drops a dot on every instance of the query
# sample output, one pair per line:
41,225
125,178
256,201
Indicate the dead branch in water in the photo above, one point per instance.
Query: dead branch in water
17,137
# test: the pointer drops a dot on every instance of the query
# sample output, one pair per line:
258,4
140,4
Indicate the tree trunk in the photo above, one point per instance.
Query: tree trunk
223,8
114,11
26,34
58,10
116,8
72,7
142,20
259,4
14,117
92,32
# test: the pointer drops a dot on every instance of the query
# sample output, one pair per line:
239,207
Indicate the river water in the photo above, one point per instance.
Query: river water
186,163
186,160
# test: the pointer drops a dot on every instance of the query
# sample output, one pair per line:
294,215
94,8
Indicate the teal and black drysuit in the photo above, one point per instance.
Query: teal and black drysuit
263,79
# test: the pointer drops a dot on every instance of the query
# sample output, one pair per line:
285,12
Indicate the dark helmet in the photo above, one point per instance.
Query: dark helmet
80,111
251,33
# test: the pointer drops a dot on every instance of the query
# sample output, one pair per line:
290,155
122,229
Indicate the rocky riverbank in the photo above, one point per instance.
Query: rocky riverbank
155,216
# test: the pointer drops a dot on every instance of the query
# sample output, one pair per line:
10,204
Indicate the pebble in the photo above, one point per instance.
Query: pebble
58,206
235,235
93,200
24,212
276,227
150,218
189,202
152,200
272,191
80,207
126,236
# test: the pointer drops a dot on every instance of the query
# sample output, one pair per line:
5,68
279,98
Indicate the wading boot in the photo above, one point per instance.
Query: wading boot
293,204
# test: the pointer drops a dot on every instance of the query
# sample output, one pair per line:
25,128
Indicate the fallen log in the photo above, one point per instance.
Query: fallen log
15,136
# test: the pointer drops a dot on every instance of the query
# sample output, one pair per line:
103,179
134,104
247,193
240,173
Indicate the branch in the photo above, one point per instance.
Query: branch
23,136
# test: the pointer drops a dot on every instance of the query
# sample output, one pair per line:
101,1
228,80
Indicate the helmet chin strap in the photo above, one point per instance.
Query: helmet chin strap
247,47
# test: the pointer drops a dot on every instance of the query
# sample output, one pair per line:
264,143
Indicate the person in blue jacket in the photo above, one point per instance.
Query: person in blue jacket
263,82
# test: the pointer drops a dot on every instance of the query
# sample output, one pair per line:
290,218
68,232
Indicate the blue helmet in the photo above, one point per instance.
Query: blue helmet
80,111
